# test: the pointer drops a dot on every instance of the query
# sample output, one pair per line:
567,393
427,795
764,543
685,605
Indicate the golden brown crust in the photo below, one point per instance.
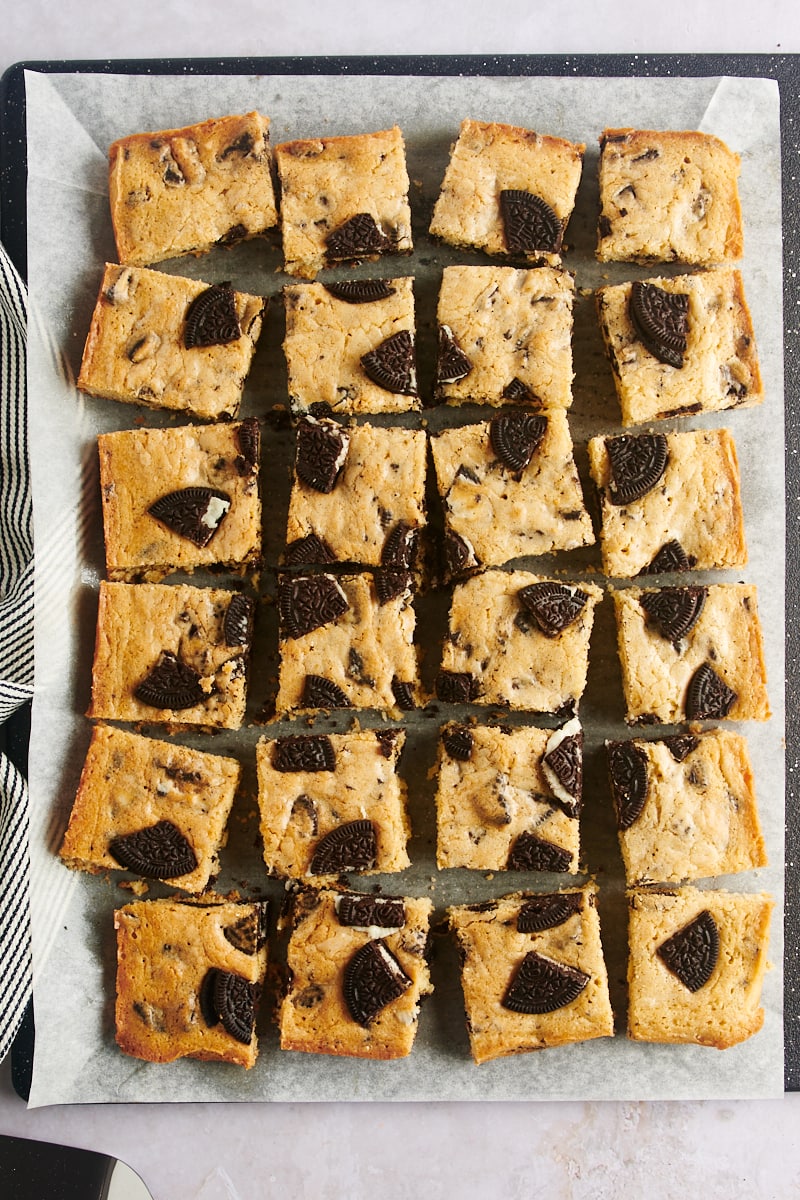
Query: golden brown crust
668,196
165,950
315,1016
182,191
726,1009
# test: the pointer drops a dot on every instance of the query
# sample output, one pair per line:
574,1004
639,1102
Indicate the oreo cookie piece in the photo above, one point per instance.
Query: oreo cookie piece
391,583
674,611
671,557
308,551
360,237
308,602
530,853
452,364
171,684
517,392
248,438
516,436
373,978
360,291
231,999
194,513
403,693
529,223
456,687
321,453
553,606
400,546
392,366
627,769
319,692
237,626
352,846
362,912
540,985
211,319
546,912
458,742
158,851
691,954
661,321
708,697
304,752
637,463
681,745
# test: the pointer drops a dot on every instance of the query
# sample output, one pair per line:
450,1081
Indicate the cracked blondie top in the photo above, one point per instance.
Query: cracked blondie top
332,803
166,342
691,653
189,979
505,336
669,502
350,346
182,191
509,799
696,965
150,807
509,488
356,974
668,196
508,191
532,972
172,654
343,199
178,499
518,640
358,495
681,345
685,807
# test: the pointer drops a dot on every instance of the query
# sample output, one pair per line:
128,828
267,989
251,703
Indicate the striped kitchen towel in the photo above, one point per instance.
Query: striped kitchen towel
16,650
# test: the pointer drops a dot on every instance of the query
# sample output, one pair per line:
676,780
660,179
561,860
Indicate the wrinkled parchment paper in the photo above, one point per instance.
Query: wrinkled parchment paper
71,121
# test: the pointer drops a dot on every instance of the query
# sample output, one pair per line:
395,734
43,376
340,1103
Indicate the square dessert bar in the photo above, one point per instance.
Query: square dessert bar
505,336
668,196
691,653
177,499
346,641
182,191
532,972
332,803
189,979
681,345
171,654
150,807
358,495
509,488
356,971
685,807
508,191
343,199
518,640
696,965
350,346
165,342
509,799
668,502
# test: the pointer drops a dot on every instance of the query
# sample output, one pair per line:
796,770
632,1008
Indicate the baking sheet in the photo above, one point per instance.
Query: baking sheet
71,119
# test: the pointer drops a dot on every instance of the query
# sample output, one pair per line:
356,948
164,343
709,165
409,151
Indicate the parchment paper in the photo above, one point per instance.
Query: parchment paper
71,121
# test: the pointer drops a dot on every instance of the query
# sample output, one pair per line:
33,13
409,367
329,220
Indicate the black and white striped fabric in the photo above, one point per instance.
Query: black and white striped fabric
16,650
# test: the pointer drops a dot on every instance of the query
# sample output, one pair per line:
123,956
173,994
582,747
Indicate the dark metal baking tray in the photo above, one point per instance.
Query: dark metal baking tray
784,68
